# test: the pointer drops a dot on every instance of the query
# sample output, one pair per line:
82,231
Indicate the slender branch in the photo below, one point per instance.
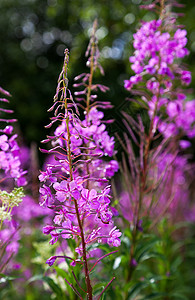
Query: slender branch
97,261
105,288
77,281
74,289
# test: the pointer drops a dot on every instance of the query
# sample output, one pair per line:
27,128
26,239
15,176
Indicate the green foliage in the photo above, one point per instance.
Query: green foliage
55,288
162,270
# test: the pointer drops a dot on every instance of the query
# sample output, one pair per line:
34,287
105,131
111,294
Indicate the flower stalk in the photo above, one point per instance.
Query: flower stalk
85,262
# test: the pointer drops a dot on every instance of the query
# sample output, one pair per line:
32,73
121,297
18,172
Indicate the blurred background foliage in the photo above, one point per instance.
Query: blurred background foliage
34,34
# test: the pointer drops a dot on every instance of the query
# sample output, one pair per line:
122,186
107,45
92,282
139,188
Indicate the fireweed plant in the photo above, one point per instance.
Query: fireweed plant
155,181
75,186
159,46
10,166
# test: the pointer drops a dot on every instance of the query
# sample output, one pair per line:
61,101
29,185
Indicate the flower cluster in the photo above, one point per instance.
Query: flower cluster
81,207
93,207
90,134
155,53
89,131
9,150
158,49
8,201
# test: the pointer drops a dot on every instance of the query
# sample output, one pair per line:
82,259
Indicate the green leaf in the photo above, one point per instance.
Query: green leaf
4,278
147,255
128,233
179,296
98,287
34,278
136,289
144,246
54,287
155,295
60,272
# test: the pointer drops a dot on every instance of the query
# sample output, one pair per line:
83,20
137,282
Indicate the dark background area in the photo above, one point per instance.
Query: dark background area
34,34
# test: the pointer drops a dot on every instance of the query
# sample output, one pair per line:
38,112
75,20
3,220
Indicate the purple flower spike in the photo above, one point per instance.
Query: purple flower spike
10,159
75,180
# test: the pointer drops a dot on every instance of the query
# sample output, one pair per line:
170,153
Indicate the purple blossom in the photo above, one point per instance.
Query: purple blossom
47,229
4,142
111,168
58,219
156,52
186,77
50,261
184,144
114,235
105,214
47,175
46,195
8,129
9,155
67,190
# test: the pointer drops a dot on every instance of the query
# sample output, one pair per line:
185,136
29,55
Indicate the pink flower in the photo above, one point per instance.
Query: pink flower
114,235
